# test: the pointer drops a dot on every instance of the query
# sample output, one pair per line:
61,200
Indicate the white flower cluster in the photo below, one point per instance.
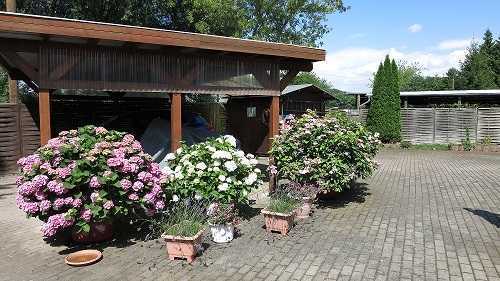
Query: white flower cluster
213,168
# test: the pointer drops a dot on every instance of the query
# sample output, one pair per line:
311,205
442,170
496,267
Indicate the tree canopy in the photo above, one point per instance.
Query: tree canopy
287,21
480,69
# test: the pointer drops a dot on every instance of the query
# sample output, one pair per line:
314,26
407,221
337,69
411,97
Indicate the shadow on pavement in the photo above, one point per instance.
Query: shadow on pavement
490,217
356,193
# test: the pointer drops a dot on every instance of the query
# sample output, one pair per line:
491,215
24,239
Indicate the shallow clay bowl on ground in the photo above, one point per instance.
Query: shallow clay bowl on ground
83,257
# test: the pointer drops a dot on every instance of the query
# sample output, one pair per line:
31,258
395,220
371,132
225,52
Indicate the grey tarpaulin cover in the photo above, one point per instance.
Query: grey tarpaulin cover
156,138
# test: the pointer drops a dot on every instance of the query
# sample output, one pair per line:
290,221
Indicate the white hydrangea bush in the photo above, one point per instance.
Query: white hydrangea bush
214,170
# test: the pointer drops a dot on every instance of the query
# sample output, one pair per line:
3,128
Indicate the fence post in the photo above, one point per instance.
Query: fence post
477,123
433,125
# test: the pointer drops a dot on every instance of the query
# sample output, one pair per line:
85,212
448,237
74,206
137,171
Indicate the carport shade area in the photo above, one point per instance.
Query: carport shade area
54,53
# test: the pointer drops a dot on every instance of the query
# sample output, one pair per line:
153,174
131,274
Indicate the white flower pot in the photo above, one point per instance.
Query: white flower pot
222,233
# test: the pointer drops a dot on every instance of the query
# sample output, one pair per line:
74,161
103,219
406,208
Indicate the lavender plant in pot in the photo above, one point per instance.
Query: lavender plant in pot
222,219
182,228
305,194
280,213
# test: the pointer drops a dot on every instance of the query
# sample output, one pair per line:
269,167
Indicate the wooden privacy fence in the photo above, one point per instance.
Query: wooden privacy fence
19,135
447,125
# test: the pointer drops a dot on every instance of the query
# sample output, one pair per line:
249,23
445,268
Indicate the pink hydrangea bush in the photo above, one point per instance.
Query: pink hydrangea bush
88,175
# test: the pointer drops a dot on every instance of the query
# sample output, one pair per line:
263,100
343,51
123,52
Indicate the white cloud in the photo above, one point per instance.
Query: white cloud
415,28
454,44
351,69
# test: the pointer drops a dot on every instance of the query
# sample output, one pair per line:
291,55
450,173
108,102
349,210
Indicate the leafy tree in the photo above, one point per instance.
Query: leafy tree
496,60
286,21
290,21
384,113
4,84
476,69
342,99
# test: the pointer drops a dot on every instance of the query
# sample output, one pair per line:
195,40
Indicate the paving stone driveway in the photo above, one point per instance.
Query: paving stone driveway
421,216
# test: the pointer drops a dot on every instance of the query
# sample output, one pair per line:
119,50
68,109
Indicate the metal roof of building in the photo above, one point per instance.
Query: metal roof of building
452,93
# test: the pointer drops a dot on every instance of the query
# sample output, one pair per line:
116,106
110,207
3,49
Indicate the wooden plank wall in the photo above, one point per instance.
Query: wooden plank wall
447,125
489,124
19,135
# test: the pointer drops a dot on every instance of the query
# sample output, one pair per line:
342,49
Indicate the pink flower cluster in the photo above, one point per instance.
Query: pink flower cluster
50,184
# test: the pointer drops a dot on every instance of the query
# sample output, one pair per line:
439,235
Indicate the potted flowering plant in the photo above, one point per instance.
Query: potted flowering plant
280,213
221,218
330,151
214,170
305,194
182,228
85,179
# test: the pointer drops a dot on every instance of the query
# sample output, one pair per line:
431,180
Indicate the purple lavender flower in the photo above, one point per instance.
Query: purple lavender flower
40,181
114,162
40,195
149,198
58,203
126,184
86,215
94,182
63,172
133,197
77,203
27,189
55,187
137,186
68,201
44,205
55,223
159,205
108,205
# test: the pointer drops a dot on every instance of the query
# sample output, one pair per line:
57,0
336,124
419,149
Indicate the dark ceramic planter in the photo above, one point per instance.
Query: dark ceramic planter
99,232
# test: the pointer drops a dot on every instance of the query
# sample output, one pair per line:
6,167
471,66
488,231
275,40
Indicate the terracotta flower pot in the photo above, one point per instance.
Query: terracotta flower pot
183,247
99,232
278,222
304,210
222,233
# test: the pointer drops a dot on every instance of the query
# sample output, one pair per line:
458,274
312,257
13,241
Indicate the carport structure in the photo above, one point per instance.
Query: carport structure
54,53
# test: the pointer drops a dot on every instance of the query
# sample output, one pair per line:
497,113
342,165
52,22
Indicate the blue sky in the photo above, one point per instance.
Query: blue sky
431,33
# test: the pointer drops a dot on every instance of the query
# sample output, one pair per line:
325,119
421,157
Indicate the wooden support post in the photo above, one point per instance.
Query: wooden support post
274,122
358,101
10,6
175,121
12,91
44,113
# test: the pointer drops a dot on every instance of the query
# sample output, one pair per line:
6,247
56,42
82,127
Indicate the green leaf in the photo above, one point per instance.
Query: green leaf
86,228
68,185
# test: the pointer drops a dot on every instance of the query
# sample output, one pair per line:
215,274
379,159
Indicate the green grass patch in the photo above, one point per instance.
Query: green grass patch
425,146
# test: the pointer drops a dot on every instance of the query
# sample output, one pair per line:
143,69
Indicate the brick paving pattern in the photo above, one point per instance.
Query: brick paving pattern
423,215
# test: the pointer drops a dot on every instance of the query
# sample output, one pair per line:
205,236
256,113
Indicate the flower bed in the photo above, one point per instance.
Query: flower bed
85,176
329,151
213,170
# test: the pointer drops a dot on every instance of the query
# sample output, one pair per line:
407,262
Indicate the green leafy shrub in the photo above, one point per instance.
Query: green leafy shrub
486,140
213,170
405,144
329,151
467,144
